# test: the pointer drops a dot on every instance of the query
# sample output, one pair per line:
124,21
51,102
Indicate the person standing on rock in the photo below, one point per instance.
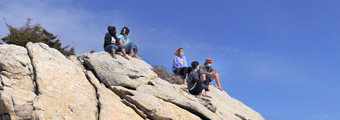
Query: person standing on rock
112,44
180,66
125,41
208,74
195,84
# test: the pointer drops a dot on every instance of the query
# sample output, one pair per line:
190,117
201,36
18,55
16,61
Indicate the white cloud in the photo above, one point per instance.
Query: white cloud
82,27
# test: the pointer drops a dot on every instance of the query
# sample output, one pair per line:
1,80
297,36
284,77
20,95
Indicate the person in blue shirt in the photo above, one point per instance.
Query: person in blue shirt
125,41
112,44
180,66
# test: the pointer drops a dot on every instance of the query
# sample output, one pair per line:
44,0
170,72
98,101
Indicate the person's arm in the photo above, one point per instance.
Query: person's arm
212,70
203,70
107,38
121,41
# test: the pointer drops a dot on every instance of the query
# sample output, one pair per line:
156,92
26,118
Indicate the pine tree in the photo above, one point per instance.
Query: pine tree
35,33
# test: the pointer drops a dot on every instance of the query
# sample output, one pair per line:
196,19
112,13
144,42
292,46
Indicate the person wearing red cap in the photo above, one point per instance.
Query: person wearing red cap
208,74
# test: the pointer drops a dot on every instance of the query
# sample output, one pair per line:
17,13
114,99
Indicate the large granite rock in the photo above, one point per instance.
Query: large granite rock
111,107
38,82
64,91
228,106
155,108
16,83
174,94
118,72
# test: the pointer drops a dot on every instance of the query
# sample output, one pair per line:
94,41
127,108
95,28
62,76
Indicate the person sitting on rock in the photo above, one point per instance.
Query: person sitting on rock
195,84
129,46
208,74
180,66
111,43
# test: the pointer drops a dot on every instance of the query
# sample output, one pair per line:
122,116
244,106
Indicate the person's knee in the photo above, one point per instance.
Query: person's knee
214,74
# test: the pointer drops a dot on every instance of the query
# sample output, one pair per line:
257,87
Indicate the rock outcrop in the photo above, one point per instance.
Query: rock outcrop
38,82
62,87
17,88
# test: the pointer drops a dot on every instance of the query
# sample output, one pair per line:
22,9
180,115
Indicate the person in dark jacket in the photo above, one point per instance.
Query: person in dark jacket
195,84
112,43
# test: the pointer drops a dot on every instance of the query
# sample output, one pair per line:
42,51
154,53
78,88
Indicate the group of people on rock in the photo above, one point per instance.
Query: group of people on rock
199,77
122,43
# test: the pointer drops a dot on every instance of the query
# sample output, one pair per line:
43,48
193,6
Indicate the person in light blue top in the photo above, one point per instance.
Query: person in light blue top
130,47
180,66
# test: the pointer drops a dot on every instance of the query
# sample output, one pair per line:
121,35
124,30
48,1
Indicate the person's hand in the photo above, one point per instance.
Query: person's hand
116,47
213,72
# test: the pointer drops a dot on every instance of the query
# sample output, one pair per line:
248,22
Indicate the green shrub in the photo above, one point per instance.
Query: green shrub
35,33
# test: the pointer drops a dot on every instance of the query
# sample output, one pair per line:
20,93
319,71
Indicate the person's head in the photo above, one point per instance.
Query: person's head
112,30
179,52
125,31
208,61
195,65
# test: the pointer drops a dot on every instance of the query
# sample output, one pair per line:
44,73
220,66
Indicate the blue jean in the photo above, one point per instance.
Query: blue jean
112,47
130,46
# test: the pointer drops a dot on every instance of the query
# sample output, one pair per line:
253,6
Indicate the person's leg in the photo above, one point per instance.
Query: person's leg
180,71
203,77
131,52
112,50
122,49
130,44
128,48
197,89
125,55
200,87
185,72
206,83
217,77
135,49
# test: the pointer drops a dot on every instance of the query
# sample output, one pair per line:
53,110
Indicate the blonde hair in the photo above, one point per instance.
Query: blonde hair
177,52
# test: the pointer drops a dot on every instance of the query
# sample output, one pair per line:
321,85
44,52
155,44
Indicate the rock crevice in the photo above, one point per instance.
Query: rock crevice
34,75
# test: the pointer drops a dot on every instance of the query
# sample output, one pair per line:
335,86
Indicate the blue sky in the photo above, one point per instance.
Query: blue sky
279,57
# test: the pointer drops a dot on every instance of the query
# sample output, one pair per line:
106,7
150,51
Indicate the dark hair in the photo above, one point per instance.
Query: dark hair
127,30
177,52
194,64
